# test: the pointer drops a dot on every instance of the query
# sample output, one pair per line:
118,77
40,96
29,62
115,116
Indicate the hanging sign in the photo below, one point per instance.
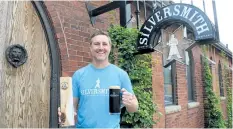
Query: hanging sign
188,15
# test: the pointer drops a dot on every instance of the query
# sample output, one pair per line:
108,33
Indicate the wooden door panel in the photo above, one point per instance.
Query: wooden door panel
24,91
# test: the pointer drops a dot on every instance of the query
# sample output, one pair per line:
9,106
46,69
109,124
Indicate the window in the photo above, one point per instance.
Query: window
210,65
189,75
220,79
169,84
185,32
188,33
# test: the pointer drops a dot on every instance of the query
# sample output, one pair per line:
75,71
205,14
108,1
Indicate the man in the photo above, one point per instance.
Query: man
91,87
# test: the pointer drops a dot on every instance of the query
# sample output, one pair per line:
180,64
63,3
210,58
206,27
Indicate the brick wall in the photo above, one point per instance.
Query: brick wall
214,54
73,28
158,88
192,117
198,112
176,120
188,117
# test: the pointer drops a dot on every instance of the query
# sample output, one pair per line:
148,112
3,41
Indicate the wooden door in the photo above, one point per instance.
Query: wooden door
24,91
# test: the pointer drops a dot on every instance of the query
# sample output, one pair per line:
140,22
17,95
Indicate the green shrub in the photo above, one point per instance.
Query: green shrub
212,113
226,83
140,73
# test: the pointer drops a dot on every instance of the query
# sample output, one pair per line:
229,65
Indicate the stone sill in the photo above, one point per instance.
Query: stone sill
172,109
193,105
222,98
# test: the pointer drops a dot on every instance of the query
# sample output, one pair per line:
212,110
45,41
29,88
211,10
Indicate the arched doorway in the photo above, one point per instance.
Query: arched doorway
29,93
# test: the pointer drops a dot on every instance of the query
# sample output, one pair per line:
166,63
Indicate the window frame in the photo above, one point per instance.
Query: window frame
220,80
190,74
173,82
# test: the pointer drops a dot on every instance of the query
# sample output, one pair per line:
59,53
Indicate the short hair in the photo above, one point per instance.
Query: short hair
100,32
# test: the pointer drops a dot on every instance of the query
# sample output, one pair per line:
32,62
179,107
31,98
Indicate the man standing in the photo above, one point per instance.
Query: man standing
91,87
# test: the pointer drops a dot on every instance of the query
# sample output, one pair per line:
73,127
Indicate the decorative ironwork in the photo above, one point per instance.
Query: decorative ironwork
94,12
16,55
137,12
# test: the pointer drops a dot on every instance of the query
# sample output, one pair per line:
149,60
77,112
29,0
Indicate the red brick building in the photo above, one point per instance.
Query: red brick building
72,27
177,85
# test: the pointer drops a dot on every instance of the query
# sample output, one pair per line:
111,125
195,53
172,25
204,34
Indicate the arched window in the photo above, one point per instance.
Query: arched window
221,88
169,83
210,64
190,75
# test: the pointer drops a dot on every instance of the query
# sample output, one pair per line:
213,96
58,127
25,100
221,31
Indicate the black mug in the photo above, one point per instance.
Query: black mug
114,100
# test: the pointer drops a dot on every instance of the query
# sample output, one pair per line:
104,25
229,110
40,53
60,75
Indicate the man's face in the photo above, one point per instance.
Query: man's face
100,48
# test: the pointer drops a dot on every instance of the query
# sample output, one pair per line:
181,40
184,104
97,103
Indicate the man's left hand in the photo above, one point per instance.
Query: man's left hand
129,100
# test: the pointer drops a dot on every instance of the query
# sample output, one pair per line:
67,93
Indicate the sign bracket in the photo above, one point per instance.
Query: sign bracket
94,12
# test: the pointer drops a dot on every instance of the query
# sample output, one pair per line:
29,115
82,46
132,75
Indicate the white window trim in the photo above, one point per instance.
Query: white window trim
210,61
185,32
193,105
222,98
172,109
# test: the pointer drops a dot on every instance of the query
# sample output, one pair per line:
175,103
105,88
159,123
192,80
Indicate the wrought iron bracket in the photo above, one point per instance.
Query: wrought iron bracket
93,12
90,8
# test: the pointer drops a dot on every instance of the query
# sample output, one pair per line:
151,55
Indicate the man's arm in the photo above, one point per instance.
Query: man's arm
130,101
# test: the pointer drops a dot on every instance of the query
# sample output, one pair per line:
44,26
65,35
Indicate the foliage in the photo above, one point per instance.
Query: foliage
140,73
226,81
229,97
213,114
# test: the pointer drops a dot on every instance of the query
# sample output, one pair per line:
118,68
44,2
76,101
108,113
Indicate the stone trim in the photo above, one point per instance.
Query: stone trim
222,98
172,109
193,105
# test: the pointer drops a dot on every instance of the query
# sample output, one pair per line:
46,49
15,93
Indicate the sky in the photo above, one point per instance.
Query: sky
225,21
224,14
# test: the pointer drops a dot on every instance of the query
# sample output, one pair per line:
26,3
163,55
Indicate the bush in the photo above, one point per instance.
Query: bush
140,73
212,113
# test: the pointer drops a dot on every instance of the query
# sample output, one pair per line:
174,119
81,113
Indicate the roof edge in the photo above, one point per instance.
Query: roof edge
222,47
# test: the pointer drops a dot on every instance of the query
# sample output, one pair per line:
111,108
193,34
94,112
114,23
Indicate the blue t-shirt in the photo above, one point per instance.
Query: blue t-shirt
91,86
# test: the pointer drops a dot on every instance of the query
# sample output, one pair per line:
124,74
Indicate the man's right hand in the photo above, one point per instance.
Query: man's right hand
62,117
